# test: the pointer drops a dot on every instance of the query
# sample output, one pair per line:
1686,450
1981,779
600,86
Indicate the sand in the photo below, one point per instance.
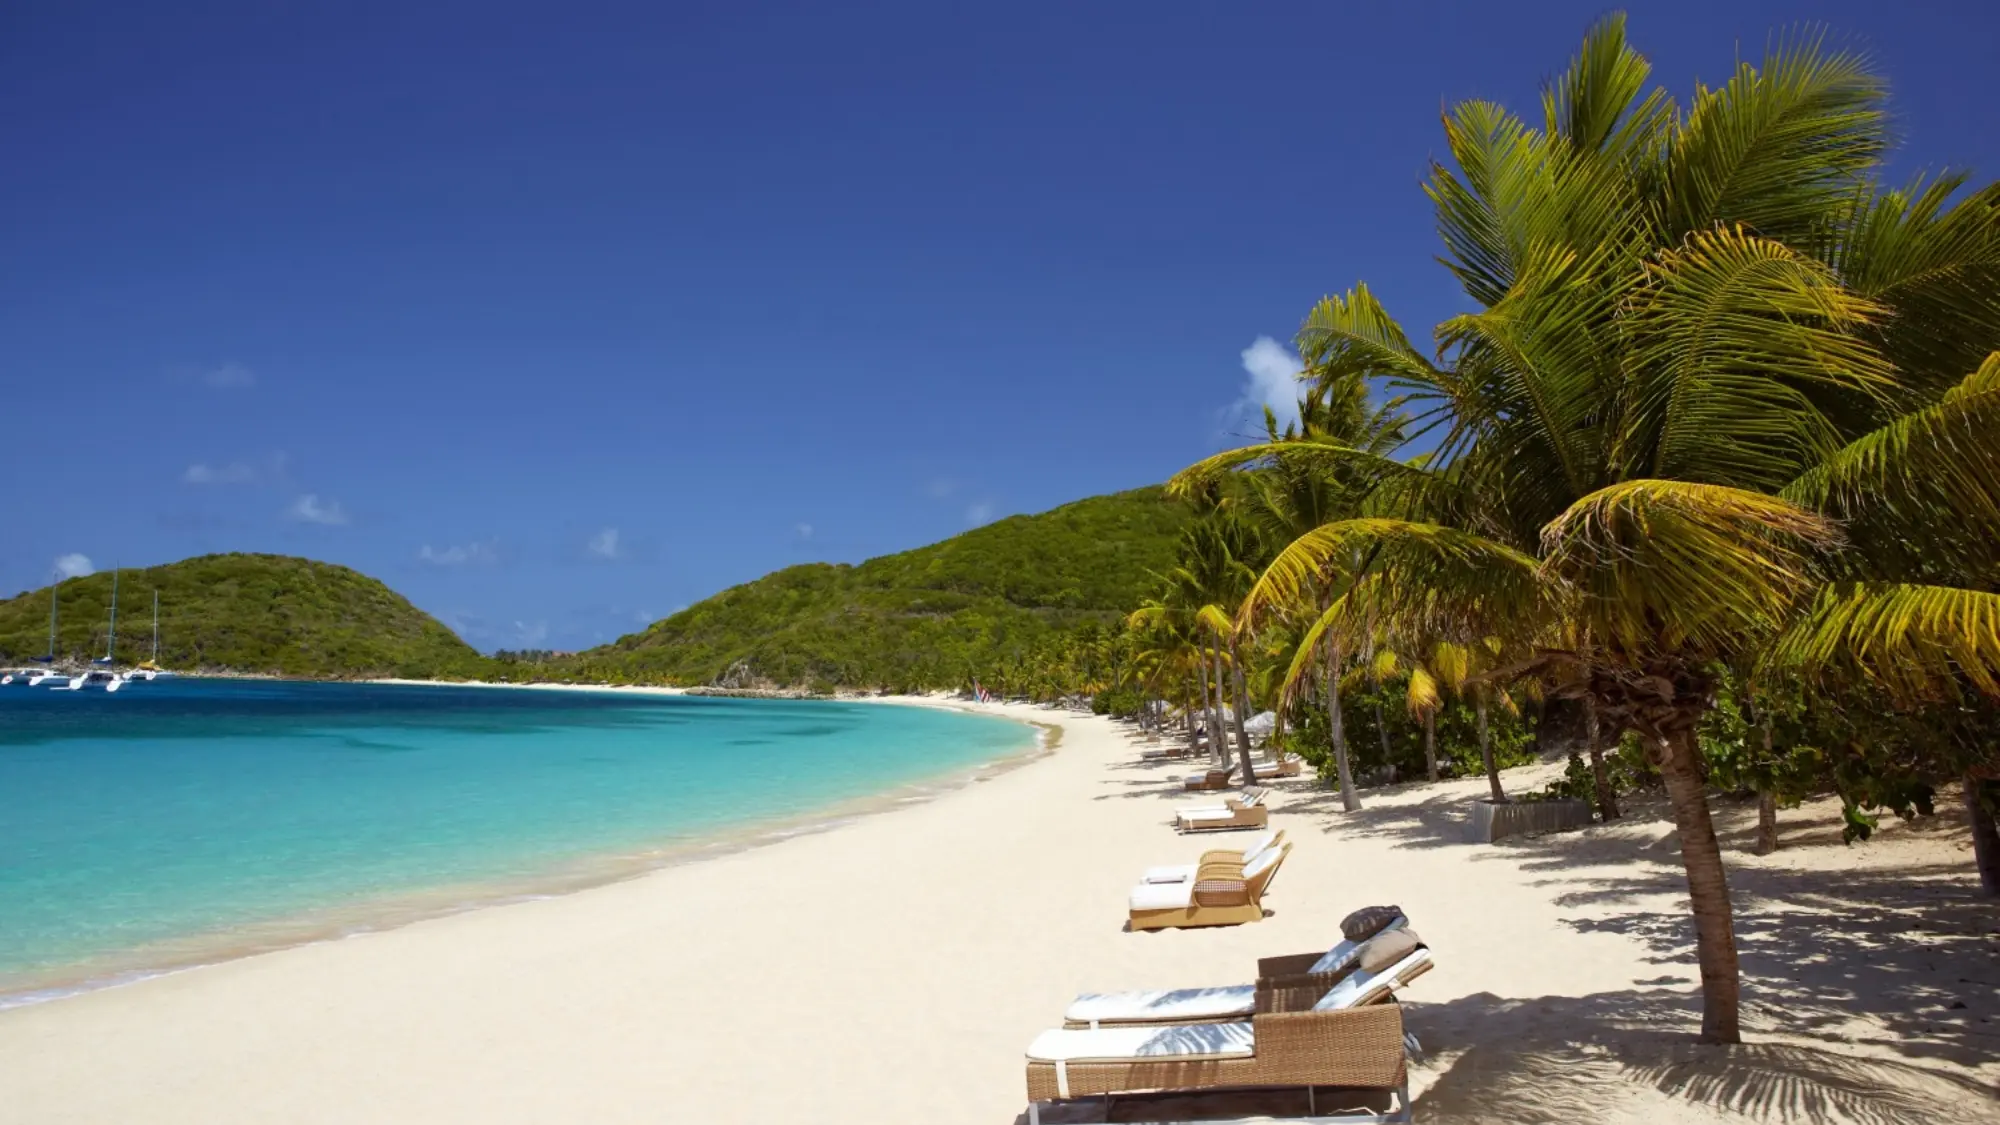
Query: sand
892,969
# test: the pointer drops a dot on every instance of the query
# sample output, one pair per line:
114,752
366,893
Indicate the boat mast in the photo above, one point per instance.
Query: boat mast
156,626
53,588
111,641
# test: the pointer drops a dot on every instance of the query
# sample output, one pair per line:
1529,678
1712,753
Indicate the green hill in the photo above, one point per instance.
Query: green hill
930,617
246,613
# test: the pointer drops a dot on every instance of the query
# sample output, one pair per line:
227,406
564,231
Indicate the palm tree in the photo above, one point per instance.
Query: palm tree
1705,339
1295,481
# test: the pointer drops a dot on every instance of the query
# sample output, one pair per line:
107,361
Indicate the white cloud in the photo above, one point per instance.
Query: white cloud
805,530
486,552
311,509
644,616
229,376
236,472
531,633
74,565
940,488
979,513
1274,381
604,544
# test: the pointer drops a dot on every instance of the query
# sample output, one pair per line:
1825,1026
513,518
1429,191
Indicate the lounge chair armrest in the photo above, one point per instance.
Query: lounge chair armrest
1356,1047
1290,966
1221,892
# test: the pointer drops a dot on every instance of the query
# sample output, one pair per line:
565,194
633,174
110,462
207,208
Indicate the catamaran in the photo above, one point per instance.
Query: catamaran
36,677
150,669
96,677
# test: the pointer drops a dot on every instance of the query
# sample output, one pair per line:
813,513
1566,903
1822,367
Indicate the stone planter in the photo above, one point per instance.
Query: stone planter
1492,822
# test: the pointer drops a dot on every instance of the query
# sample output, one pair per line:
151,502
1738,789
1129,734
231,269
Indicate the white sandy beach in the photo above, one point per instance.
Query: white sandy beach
892,970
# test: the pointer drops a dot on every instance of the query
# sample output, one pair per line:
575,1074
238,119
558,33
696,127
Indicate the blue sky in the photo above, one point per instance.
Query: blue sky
557,317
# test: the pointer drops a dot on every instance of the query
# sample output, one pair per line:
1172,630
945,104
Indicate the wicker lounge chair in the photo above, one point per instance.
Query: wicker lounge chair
1235,813
1208,780
1287,766
1355,1048
1214,898
1214,857
1281,984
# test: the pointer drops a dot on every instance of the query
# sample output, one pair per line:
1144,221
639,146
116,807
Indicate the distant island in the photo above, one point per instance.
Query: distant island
974,605
247,613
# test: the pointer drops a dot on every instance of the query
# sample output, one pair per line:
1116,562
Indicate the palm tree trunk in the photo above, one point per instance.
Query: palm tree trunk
1607,798
1985,837
1486,749
1207,709
1708,886
1242,699
1767,804
1430,743
1337,726
1218,738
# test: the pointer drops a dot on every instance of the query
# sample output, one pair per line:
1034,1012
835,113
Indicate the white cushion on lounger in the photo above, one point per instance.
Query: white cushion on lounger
1358,987
1343,954
1261,864
1122,1044
1207,814
1218,1003
1162,896
1182,872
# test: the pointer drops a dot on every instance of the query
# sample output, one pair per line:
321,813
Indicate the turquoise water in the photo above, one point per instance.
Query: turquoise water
184,820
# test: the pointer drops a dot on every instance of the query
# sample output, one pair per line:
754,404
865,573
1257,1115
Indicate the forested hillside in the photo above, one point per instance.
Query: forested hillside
973,605
244,613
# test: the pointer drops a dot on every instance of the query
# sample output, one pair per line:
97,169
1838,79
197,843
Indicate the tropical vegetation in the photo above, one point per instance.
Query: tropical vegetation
1712,452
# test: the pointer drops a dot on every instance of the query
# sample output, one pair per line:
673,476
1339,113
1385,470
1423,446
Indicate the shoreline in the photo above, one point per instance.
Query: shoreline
397,909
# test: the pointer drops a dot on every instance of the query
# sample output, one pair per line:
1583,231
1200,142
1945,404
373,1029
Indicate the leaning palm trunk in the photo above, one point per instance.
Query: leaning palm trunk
1767,805
1242,702
1207,710
1985,837
1430,743
1218,737
1607,797
1486,750
1337,727
1708,885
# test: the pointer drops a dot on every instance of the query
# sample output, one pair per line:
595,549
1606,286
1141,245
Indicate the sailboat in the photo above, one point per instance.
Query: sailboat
150,669
38,676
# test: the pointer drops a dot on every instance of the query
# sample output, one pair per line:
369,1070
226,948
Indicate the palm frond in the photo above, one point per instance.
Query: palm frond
1916,641
1779,148
1926,472
1595,104
1735,333
1936,266
1421,555
1676,565
1423,697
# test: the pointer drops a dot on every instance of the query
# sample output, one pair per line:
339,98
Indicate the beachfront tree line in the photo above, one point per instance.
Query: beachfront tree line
1706,485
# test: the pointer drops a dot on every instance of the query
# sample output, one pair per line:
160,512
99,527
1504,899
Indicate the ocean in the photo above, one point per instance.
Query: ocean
185,821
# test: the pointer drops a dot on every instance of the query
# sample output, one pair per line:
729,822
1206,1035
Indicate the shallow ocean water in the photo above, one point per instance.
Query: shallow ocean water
187,820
